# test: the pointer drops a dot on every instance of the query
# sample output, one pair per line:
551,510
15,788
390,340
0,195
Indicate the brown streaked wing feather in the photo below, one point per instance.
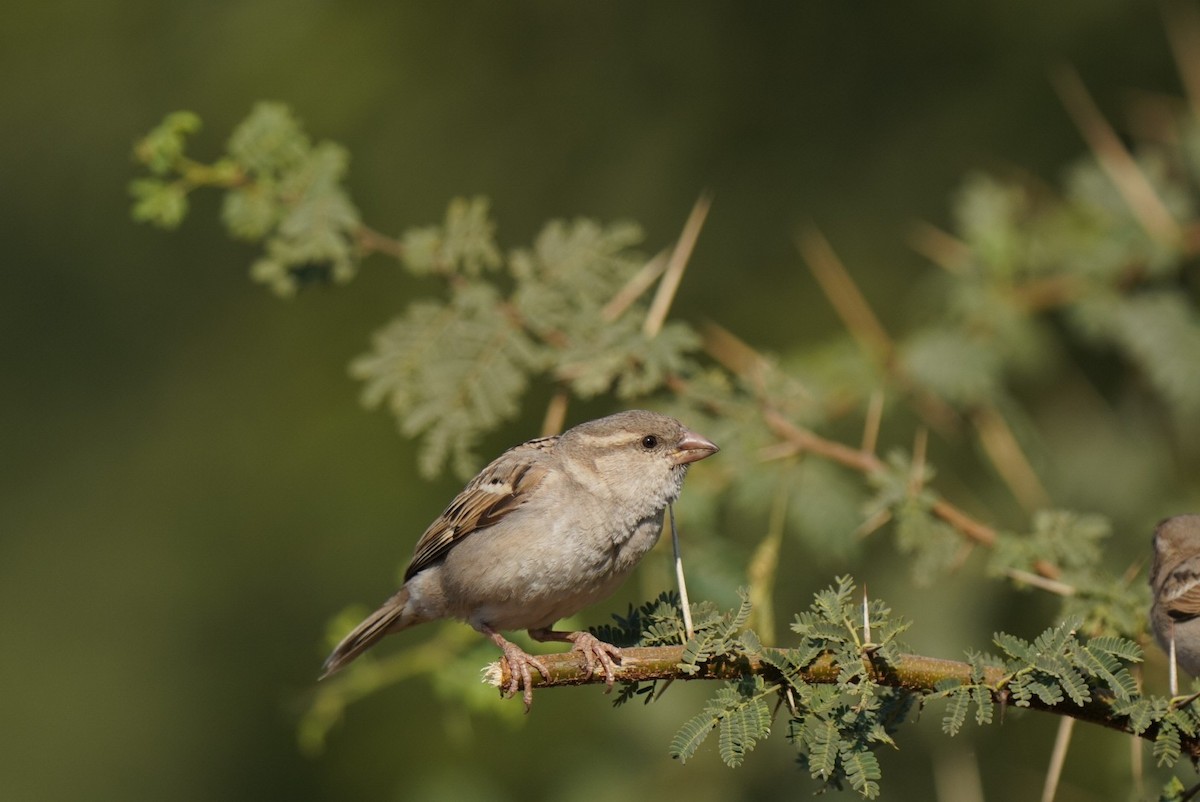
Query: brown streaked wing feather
1182,589
1187,604
500,488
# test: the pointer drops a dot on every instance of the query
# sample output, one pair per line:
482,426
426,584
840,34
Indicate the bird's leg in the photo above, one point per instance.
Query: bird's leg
590,647
519,661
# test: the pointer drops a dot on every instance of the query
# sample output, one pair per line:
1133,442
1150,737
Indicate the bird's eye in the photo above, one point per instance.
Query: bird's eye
649,442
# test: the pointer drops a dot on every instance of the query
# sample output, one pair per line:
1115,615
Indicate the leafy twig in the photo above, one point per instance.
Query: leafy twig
911,672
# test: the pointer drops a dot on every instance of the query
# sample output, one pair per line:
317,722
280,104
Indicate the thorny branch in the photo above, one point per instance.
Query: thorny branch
911,672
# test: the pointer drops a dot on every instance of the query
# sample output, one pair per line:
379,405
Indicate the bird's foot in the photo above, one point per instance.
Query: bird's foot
519,661
593,651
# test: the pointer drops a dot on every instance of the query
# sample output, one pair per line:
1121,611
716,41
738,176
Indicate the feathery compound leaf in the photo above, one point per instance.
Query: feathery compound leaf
1025,689
1016,648
715,633
862,769
990,215
161,149
159,202
1074,686
563,286
1174,791
984,706
1160,333
571,272
958,369
1071,541
464,243
933,544
450,373
1167,746
691,735
791,662
292,196
649,362
834,603
958,704
1120,648
820,738
742,727
655,623
269,141
1141,713
1105,668
250,212
317,228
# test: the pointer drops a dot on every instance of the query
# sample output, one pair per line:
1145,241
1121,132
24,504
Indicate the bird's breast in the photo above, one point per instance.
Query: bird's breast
514,578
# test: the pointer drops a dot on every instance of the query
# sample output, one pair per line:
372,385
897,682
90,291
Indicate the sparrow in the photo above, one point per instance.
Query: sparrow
548,528
1175,583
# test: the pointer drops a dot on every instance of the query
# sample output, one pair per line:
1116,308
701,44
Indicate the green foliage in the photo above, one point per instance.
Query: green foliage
834,727
962,697
450,369
1074,544
1056,664
655,623
901,494
162,148
848,686
281,190
451,372
962,370
742,715
1038,286
1174,791
465,243
1066,539
1157,330
715,633
837,727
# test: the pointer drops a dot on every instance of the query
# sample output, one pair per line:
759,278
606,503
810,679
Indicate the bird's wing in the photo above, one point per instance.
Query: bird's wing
1184,603
502,487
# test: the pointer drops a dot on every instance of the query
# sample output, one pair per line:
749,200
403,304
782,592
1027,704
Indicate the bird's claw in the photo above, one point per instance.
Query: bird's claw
595,651
520,678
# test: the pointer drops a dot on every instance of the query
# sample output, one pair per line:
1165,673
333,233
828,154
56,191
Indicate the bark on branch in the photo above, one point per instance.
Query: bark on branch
911,672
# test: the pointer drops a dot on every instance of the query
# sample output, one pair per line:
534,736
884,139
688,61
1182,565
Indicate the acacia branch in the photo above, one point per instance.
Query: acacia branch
911,672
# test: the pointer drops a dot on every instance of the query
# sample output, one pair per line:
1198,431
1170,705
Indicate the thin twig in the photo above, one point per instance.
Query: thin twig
1037,581
640,282
675,267
866,614
864,326
844,295
1139,195
1137,768
684,605
908,672
866,462
370,241
741,359
556,412
764,563
916,474
1005,453
1183,34
873,421
1058,756
943,249
1172,670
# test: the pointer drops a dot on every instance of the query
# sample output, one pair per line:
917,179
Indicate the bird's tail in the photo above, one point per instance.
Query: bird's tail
388,618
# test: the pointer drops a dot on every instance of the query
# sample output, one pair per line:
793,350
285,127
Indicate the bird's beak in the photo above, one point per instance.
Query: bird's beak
692,448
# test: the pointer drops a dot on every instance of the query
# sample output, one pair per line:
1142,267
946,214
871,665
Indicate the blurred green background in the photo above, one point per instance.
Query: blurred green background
191,488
